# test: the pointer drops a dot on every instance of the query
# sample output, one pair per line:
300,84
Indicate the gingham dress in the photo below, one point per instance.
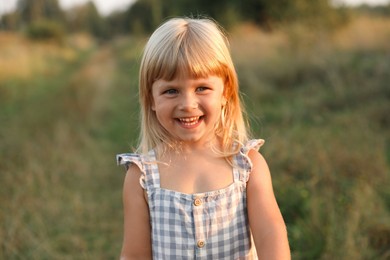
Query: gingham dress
209,225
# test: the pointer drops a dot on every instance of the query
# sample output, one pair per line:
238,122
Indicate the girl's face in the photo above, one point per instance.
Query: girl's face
189,108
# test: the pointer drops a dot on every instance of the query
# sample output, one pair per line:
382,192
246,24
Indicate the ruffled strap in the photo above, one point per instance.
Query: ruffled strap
127,159
243,161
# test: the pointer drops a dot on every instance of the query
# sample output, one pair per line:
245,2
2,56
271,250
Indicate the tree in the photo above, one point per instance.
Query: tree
229,12
267,13
10,21
34,10
86,18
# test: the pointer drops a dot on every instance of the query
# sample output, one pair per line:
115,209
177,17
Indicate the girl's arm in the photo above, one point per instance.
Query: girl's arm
136,241
265,219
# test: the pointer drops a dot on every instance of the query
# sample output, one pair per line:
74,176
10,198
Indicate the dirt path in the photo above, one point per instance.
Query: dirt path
89,87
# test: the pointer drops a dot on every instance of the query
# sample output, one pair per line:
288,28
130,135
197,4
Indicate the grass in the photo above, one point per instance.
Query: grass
323,107
53,168
320,100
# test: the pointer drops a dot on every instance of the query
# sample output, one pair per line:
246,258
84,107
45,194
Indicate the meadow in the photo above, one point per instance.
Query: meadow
320,99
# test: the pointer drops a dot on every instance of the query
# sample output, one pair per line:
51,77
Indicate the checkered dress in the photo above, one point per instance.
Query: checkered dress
210,225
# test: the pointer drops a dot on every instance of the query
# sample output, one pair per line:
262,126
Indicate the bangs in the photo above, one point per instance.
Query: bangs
199,62
190,56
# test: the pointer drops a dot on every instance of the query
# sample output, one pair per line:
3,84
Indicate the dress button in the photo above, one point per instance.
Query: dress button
197,202
200,243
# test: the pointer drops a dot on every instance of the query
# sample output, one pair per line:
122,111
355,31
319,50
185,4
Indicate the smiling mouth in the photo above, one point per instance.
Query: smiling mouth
189,121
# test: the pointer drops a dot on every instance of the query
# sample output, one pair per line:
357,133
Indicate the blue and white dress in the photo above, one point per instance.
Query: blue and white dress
209,225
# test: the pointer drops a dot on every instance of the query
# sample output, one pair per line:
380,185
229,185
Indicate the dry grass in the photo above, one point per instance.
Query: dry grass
320,98
20,58
53,168
364,33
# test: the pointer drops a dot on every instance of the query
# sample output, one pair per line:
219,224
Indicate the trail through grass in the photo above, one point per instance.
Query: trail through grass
60,198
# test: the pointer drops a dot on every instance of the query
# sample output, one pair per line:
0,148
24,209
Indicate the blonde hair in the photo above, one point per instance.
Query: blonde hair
200,48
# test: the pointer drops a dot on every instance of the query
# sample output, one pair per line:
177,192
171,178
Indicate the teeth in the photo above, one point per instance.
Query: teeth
189,120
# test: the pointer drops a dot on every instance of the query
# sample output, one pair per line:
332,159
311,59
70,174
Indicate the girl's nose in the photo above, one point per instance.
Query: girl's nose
188,102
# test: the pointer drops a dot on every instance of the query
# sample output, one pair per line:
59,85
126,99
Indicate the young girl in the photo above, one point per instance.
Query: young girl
197,188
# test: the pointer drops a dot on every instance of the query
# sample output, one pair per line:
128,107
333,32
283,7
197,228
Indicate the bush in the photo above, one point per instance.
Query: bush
46,30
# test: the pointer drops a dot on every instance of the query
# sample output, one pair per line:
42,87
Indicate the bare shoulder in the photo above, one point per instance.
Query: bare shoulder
133,175
259,186
257,159
136,217
260,171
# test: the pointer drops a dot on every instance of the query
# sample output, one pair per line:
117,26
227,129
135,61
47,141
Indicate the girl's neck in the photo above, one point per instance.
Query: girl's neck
190,148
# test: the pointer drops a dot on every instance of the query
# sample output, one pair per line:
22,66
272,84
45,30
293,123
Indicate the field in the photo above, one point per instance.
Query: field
320,99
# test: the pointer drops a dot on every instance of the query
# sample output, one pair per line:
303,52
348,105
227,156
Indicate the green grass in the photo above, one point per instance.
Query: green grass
60,197
322,109
324,114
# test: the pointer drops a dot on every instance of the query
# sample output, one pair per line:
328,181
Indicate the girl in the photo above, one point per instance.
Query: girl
197,188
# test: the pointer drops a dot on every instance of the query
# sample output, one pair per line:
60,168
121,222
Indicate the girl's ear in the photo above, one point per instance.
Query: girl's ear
224,101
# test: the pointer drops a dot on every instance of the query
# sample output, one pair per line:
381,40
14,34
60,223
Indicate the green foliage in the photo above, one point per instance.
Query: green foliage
10,21
229,13
41,165
140,17
380,10
324,114
86,18
46,30
93,21
31,11
143,16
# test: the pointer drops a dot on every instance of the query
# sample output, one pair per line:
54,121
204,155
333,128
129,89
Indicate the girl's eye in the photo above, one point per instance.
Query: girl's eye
170,91
202,88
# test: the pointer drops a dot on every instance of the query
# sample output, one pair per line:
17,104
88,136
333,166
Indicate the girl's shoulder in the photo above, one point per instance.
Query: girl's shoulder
253,144
140,165
248,152
126,159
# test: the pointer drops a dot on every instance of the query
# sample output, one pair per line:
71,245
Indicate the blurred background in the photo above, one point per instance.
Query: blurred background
315,80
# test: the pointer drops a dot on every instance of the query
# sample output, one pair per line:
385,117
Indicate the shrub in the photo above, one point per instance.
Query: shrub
46,30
